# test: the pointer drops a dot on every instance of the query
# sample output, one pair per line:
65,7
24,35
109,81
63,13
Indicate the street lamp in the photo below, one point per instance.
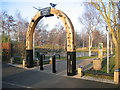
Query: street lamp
107,49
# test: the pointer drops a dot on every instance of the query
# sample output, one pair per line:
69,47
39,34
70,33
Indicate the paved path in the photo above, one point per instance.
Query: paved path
14,77
61,66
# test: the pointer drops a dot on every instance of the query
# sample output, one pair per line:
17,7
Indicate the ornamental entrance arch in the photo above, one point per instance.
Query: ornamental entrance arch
71,48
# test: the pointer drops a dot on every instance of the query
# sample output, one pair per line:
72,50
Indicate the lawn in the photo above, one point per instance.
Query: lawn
85,57
99,76
112,64
103,72
77,58
93,49
104,66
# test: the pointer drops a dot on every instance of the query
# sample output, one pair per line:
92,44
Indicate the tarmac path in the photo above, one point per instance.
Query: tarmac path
15,77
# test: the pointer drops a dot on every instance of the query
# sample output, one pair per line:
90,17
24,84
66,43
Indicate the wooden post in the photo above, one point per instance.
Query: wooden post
80,71
24,63
117,77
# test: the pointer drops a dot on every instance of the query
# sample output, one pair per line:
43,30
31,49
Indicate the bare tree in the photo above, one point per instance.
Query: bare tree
41,33
19,35
90,19
56,37
110,12
21,27
8,24
98,37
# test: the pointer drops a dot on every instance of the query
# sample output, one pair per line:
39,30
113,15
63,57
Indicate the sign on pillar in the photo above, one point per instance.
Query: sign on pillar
100,51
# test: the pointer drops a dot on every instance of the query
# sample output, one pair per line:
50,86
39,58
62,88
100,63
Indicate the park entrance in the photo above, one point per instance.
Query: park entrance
70,36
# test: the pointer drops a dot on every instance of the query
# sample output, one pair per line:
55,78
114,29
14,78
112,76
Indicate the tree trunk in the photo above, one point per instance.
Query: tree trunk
111,51
116,42
117,57
89,45
83,44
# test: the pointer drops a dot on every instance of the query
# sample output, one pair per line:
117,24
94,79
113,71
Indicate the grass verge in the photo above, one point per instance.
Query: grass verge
99,76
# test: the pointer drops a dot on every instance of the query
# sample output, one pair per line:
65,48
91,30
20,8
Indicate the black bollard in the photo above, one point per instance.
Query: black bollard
44,56
41,62
37,54
53,64
59,56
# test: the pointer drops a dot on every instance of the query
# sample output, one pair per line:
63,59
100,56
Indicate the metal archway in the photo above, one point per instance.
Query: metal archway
70,35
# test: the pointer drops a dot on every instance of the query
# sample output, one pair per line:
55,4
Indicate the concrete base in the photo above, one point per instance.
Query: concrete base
117,77
97,64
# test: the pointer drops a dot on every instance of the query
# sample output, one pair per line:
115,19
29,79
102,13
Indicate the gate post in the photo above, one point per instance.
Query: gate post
29,58
71,63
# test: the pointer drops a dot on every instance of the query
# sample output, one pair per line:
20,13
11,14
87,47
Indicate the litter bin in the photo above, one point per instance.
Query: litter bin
97,64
